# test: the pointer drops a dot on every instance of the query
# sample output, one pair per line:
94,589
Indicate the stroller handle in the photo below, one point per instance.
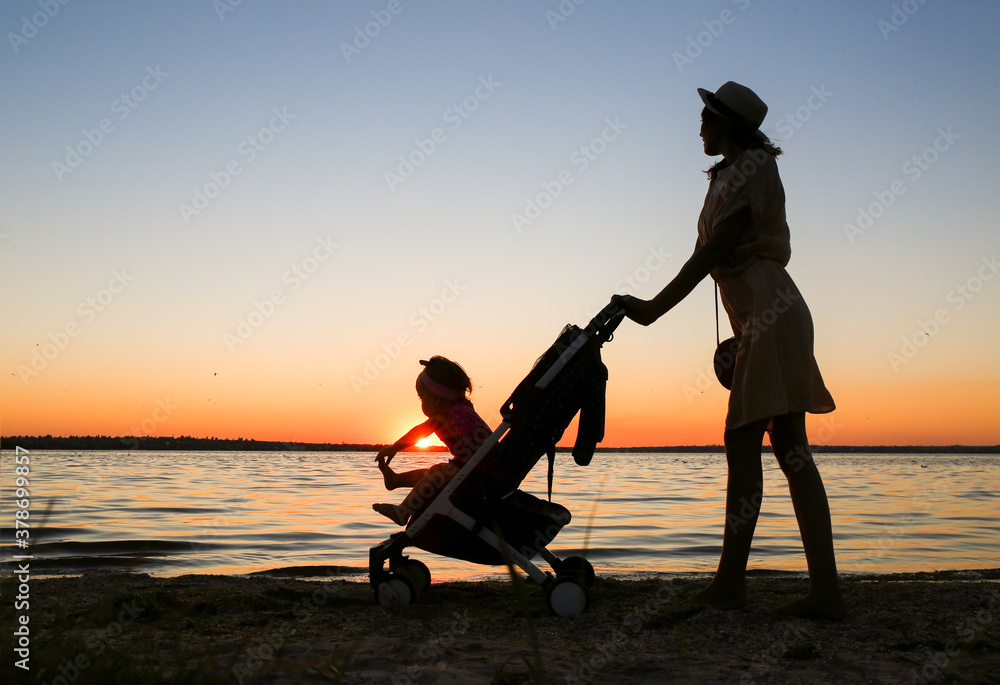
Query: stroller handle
604,324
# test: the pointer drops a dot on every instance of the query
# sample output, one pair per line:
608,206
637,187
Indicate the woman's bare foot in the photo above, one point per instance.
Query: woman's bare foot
816,607
720,597
397,514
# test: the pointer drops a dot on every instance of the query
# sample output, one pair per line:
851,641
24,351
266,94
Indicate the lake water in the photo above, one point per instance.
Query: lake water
170,513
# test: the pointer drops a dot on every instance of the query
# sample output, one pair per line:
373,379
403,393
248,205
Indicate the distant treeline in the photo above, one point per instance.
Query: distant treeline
109,443
184,442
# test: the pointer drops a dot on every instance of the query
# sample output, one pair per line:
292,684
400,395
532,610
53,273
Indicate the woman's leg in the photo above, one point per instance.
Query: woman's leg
812,511
744,491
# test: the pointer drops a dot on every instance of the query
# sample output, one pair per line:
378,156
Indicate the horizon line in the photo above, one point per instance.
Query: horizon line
158,442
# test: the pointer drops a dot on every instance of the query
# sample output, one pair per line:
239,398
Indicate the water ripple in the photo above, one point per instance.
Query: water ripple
180,512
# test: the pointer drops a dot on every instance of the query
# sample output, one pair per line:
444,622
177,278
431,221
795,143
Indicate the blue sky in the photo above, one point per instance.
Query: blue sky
858,100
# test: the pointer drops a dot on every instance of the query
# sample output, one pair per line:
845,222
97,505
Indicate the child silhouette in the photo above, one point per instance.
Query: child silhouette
442,388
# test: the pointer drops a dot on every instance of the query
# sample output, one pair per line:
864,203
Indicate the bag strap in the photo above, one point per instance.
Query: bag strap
718,340
551,452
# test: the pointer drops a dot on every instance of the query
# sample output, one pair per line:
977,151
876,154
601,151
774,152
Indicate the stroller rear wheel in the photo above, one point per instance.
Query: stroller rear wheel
578,568
417,572
396,590
567,597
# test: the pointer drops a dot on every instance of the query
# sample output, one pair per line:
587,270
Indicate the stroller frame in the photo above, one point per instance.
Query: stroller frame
566,593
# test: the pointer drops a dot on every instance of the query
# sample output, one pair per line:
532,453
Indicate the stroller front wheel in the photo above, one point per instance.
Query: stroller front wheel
567,597
396,590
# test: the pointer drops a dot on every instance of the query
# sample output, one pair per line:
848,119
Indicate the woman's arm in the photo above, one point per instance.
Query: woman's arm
705,258
411,438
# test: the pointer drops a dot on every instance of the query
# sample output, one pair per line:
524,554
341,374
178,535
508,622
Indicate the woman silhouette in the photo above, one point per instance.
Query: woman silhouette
743,242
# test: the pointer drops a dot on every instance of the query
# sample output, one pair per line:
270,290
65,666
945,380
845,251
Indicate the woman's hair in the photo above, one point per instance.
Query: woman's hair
745,135
447,373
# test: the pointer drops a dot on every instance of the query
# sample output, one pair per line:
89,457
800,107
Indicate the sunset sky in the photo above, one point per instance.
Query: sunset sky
252,219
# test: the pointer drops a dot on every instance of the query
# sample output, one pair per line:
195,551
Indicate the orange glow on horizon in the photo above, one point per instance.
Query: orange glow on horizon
884,412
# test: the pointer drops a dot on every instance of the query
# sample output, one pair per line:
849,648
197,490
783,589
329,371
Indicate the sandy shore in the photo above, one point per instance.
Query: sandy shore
133,628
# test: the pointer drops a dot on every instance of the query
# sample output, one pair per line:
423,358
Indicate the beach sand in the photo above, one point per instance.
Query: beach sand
133,628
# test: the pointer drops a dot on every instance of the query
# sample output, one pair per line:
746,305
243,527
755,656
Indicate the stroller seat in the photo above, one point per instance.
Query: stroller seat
525,522
481,515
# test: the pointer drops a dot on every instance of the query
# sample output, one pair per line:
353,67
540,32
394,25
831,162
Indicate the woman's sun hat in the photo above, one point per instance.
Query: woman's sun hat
735,101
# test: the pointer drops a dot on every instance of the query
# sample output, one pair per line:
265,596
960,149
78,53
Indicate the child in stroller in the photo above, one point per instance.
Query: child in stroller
480,514
442,388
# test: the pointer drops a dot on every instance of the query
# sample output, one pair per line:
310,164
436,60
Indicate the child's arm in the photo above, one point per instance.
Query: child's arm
411,438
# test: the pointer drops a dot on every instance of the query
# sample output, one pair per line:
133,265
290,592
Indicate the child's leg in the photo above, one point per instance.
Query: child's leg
430,483
397,514
393,480
812,511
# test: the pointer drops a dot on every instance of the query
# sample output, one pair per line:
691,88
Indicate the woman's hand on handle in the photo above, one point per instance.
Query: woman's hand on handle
640,311
706,257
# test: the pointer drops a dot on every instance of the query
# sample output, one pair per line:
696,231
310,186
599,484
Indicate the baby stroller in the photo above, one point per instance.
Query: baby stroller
480,515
